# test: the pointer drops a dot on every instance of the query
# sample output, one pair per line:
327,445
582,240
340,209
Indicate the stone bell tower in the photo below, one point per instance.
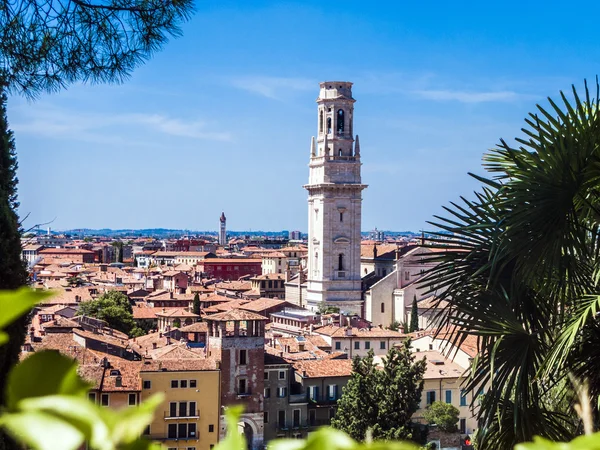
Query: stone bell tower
334,203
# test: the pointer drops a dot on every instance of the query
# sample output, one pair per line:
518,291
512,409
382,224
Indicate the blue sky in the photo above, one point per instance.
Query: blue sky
221,119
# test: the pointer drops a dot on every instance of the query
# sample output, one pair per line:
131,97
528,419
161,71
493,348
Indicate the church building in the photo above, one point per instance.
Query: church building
334,204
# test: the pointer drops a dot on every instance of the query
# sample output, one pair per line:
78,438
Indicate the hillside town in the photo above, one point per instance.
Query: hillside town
270,324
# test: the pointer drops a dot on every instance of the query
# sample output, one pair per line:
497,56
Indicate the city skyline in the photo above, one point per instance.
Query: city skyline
195,130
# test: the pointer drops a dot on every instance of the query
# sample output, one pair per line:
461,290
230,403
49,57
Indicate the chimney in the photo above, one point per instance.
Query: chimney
168,340
153,346
171,294
374,251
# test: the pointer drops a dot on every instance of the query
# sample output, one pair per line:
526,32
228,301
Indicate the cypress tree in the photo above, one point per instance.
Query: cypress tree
414,315
12,268
196,306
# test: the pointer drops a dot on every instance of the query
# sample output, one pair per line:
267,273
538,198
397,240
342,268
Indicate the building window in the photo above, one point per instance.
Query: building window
192,383
340,121
281,419
266,419
183,384
332,391
430,397
341,214
296,419
147,384
242,386
266,375
357,345
172,431
92,397
331,413
328,126
282,374
382,345
382,307
367,345
407,276
321,121
172,409
463,426
463,398
132,399
338,345
243,355
267,392
174,384
313,393
104,400
147,430
448,396
211,428
282,392
341,261
312,417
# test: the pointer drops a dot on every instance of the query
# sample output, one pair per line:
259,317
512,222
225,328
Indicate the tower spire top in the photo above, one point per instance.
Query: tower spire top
312,146
356,147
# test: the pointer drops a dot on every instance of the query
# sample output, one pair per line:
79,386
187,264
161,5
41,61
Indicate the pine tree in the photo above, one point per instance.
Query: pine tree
196,306
12,268
414,316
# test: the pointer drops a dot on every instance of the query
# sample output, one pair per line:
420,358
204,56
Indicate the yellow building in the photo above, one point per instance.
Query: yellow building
188,419
442,381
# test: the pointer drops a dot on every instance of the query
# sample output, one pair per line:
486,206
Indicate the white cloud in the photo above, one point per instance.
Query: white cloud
48,121
467,97
272,87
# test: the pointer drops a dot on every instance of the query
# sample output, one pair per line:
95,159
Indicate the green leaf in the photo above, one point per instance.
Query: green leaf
44,373
14,304
233,440
42,431
129,423
78,412
588,442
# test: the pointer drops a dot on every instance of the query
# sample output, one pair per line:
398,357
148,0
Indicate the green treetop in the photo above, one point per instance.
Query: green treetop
382,401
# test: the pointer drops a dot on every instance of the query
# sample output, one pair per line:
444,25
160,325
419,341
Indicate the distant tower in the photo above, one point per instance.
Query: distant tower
334,204
223,230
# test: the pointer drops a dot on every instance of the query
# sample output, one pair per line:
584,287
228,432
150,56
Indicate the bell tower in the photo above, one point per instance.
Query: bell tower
334,203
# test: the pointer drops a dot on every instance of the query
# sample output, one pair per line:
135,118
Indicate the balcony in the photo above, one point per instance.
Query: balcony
190,415
298,398
165,437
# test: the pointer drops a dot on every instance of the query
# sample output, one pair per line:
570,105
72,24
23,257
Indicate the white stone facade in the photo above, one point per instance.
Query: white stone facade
334,204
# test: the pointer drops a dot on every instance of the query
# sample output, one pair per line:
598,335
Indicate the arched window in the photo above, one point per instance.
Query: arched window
340,121
341,261
321,122
382,307
340,152
328,125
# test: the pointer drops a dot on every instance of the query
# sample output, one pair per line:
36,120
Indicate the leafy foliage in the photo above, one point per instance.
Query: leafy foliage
52,412
112,307
45,46
381,401
444,415
521,272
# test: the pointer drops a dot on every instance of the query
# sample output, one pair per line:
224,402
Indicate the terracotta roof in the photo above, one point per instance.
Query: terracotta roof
262,304
235,314
225,261
178,365
322,368
374,332
175,312
269,276
438,366
227,306
197,327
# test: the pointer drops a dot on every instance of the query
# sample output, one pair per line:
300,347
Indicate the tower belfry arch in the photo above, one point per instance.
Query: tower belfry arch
334,203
